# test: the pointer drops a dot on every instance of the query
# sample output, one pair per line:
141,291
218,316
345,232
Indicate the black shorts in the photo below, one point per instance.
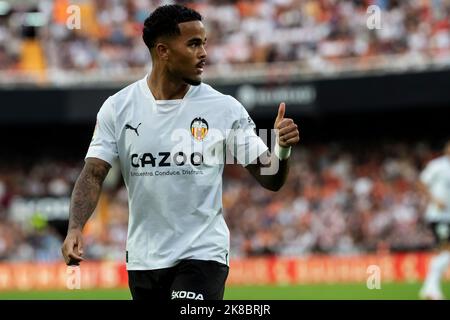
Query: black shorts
441,232
190,279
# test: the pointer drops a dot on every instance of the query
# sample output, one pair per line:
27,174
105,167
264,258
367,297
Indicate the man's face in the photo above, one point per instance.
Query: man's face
187,54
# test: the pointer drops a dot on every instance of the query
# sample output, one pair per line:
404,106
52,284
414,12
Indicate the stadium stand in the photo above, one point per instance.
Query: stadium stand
314,36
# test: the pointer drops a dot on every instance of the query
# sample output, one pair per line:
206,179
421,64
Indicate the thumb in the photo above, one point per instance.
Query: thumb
281,111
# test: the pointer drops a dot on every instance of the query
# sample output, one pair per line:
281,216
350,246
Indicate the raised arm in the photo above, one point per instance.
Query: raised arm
84,199
273,175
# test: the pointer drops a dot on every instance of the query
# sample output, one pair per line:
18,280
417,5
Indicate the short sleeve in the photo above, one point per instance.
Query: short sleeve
428,174
243,142
103,144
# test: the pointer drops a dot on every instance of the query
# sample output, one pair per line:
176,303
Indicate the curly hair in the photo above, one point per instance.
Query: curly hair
164,22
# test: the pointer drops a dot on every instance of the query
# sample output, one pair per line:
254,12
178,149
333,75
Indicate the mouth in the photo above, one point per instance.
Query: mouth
199,66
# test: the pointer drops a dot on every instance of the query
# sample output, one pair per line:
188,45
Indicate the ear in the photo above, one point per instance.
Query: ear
162,51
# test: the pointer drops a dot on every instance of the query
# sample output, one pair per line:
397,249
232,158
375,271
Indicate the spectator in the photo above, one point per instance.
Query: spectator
312,34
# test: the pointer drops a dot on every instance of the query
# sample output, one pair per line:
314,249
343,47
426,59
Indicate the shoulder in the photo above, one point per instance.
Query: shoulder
116,103
206,91
129,92
437,163
225,105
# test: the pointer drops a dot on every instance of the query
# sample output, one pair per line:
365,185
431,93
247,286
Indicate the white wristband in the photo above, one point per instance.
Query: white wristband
282,153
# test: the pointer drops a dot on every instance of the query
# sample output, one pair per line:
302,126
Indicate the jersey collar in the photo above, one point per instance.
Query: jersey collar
148,93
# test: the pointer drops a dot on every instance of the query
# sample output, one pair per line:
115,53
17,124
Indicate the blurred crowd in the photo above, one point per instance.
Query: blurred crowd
309,32
339,199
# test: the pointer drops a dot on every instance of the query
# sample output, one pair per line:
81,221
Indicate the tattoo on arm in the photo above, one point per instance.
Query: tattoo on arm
86,192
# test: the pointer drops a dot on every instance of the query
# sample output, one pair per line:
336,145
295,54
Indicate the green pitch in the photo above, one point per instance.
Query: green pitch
408,291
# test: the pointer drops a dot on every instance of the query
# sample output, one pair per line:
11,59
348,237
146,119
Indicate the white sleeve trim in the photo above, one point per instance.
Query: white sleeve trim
102,154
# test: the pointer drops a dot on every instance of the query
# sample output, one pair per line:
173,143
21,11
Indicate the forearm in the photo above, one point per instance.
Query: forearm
83,202
85,195
276,180
272,175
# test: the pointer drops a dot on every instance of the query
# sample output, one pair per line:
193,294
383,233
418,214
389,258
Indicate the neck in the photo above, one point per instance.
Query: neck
163,87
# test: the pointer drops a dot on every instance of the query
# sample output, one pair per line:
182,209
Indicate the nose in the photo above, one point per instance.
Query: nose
203,53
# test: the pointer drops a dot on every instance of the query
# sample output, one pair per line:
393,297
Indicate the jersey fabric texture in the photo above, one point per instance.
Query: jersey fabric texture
172,155
436,177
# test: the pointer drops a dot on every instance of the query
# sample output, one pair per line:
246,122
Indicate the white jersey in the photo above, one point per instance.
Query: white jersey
172,155
436,176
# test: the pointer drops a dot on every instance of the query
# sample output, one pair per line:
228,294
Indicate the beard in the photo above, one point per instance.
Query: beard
192,82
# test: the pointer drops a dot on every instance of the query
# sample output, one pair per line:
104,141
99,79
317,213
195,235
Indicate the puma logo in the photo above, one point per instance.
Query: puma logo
127,126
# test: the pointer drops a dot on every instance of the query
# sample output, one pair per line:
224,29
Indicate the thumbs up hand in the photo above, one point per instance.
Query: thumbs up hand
288,134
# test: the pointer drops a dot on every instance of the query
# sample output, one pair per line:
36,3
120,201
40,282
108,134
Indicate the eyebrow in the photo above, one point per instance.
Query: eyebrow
196,39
